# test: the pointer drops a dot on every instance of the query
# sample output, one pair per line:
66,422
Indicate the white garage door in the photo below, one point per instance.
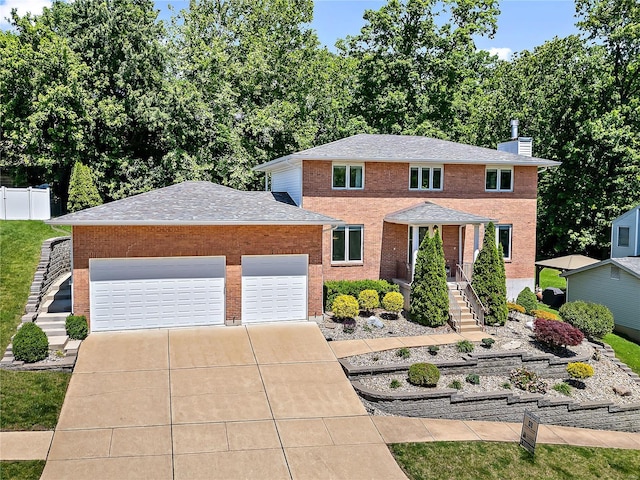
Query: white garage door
131,293
274,288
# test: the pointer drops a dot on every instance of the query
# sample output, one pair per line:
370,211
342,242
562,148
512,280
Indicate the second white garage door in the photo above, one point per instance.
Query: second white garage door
132,293
274,288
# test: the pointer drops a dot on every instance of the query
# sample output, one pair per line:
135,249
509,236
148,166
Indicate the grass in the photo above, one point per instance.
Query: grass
486,460
31,400
550,277
20,243
626,350
23,470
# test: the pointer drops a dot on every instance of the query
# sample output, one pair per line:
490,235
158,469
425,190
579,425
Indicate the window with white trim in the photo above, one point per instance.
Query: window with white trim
623,236
348,177
499,179
346,244
503,237
425,178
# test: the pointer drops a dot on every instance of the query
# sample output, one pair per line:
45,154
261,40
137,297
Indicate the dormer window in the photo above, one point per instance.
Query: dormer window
425,178
348,177
499,179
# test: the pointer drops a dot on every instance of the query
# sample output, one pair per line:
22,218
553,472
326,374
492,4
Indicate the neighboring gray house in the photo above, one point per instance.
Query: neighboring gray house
625,234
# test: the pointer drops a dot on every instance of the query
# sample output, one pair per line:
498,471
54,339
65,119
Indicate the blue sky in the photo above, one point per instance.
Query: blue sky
522,25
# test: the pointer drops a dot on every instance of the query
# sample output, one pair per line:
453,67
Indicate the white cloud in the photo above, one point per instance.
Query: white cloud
23,6
502,53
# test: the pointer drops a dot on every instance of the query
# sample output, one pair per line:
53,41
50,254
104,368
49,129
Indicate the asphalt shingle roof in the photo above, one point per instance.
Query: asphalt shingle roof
630,264
198,203
429,212
406,148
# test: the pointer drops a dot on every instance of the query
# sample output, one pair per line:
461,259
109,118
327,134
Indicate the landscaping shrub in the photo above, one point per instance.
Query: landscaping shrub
563,388
465,346
76,326
424,374
429,291
489,279
395,383
544,315
457,384
488,342
393,302
528,381
368,300
433,349
556,334
514,307
579,370
30,344
506,385
527,299
473,379
333,288
403,352
592,319
349,325
345,306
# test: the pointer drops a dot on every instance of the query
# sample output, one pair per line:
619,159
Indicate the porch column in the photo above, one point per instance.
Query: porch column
476,241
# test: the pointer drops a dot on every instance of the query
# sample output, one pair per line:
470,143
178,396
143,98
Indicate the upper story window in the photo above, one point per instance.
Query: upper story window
623,236
425,178
503,237
348,176
499,179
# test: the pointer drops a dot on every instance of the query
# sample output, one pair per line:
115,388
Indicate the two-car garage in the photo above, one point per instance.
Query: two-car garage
134,293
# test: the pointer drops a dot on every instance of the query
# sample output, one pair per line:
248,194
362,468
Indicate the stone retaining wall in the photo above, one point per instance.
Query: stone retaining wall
504,407
55,260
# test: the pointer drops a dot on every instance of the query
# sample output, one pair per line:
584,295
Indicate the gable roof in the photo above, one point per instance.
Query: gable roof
631,265
198,203
405,148
429,212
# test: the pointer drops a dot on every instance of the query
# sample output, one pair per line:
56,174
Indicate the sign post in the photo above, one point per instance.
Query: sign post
529,435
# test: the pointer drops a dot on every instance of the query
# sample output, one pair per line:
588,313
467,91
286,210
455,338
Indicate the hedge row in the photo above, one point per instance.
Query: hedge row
333,288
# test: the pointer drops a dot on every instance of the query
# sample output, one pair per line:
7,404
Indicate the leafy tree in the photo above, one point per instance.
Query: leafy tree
429,294
489,280
82,190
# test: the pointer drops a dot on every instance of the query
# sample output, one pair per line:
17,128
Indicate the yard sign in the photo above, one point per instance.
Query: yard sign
529,433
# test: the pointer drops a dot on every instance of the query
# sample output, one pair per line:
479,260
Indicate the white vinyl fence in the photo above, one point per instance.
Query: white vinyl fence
25,203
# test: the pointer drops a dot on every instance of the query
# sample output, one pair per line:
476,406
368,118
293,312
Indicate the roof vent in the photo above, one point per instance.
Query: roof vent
514,128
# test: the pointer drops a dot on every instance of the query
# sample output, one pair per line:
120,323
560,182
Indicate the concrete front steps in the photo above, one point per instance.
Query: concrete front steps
54,310
468,319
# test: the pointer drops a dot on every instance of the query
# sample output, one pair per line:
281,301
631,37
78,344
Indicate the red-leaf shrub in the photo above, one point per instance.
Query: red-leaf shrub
556,334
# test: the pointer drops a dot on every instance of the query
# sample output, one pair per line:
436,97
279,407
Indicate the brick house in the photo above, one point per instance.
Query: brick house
391,190
196,253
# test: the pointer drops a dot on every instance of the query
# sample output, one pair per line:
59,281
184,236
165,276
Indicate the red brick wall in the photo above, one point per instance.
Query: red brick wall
387,191
167,241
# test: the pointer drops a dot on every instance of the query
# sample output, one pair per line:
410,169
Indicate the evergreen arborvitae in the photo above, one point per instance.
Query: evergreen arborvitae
429,295
82,191
489,279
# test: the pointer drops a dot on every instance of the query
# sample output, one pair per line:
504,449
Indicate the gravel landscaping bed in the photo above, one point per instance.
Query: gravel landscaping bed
513,336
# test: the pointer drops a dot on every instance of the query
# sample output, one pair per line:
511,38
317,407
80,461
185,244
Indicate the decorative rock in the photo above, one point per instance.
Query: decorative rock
331,325
375,322
529,325
512,345
622,391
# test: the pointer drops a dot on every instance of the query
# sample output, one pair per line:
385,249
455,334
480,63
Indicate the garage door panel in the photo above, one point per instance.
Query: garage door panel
121,300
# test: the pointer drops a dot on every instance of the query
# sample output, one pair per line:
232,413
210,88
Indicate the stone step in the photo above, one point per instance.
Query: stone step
52,317
58,342
469,329
57,295
57,305
72,346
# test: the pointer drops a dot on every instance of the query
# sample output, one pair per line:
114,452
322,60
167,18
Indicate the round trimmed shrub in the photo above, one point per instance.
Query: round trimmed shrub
76,326
424,374
30,344
579,370
393,302
345,306
592,319
527,299
368,300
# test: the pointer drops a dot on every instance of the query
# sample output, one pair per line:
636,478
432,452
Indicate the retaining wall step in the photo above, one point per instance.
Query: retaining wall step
58,342
52,317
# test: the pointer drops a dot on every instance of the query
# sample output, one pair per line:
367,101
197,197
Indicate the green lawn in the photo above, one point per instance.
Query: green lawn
20,243
24,470
626,350
550,277
505,461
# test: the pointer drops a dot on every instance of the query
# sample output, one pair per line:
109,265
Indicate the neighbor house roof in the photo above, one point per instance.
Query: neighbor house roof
428,212
198,203
568,262
629,264
405,148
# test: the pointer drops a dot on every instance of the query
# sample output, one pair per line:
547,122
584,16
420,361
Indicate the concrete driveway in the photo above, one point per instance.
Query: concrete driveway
254,402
